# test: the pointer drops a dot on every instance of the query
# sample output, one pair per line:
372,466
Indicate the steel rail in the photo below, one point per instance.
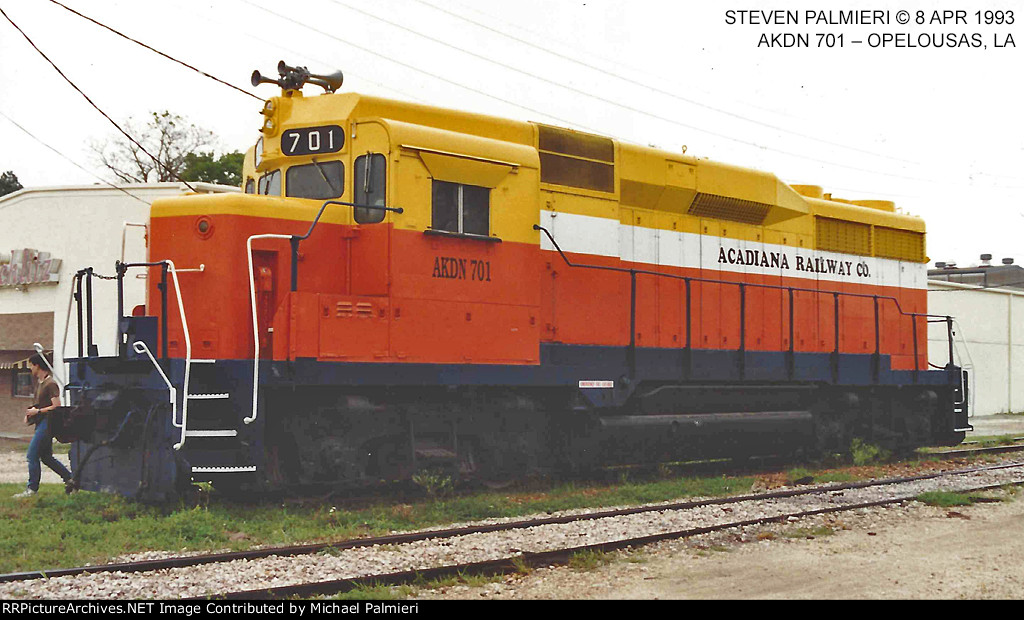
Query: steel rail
950,454
528,558
392,539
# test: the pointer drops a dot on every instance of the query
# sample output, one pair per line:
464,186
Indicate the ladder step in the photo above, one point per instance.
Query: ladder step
208,396
202,361
213,433
224,470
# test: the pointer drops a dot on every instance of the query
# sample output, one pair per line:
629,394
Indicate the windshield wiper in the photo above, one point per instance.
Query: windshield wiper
324,175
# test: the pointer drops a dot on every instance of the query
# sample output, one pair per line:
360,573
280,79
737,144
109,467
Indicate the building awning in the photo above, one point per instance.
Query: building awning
15,359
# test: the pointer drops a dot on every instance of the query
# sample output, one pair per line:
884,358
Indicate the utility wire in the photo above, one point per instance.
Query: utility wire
608,101
475,8
348,73
418,70
156,51
68,80
71,161
655,88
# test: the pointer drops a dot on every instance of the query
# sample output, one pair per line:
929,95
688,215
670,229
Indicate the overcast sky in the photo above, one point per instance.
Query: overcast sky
937,130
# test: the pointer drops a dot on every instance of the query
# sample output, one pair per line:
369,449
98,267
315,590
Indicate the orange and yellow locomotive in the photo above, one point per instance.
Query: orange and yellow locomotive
401,286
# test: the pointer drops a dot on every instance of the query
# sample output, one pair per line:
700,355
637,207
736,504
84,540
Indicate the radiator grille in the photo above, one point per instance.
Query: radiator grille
899,244
576,159
575,144
841,236
731,209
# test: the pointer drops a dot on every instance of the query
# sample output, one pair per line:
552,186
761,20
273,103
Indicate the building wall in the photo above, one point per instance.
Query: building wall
990,322
12,409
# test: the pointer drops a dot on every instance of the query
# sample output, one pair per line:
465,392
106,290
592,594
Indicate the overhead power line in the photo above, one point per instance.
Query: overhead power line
600,98
655,89
71,161
566,121
417,69
96,107
590,53
156,51
348,73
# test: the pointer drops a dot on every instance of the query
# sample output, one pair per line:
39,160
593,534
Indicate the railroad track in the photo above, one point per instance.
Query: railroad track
510,563
564,555
952,454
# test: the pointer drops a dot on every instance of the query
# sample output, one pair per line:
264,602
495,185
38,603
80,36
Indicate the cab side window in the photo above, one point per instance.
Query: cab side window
370,187
270,184
459,208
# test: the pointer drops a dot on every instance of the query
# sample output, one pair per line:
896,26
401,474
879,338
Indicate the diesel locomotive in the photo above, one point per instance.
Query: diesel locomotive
399,287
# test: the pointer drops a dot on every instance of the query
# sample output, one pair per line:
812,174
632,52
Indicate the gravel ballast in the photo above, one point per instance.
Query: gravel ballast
280,571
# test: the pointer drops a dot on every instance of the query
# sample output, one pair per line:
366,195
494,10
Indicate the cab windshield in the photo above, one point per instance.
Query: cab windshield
320,181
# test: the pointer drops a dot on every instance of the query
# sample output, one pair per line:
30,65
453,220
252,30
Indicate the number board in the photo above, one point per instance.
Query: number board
313,140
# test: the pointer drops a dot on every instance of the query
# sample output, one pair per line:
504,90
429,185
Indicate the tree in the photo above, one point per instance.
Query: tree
168,137
225,170
9,183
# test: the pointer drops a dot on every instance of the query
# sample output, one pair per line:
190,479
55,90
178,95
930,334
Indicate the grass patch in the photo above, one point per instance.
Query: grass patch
478,581
944,499
521,566
864,453
589,560
948,499
54,530
809,532
985,441
799,473
436,484
992,442
802,475
374,593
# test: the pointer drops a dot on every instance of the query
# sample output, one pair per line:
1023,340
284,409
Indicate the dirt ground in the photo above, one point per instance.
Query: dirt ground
912,553
907,552
14,467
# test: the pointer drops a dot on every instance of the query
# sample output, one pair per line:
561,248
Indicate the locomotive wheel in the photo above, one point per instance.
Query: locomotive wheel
390,460
830,434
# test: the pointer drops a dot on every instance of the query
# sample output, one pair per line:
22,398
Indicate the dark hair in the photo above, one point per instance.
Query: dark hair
39,360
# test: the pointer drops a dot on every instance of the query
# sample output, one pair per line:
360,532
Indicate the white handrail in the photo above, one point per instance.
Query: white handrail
67,324
53,373
188,345
188,352
140,347
124,238
969,366
255,322
124,234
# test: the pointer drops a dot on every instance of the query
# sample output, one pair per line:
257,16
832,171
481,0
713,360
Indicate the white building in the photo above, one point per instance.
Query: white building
46,235
990,322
